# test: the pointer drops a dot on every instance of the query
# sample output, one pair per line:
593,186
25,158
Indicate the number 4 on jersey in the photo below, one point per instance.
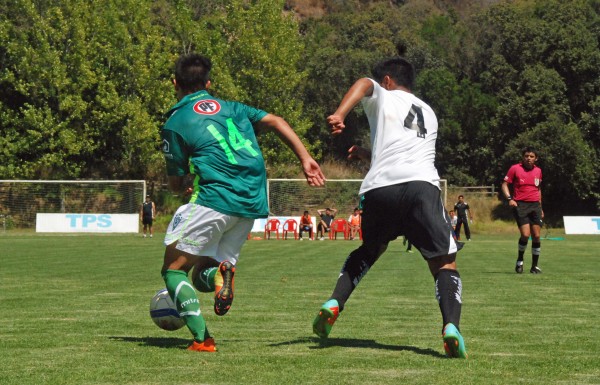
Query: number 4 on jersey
420,126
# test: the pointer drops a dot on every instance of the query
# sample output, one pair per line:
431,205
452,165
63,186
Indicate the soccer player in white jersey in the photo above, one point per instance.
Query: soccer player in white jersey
400,194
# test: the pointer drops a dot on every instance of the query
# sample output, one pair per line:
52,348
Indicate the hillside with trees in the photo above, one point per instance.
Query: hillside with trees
84,85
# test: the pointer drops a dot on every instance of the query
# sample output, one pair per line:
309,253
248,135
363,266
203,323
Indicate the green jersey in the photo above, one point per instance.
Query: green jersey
214,139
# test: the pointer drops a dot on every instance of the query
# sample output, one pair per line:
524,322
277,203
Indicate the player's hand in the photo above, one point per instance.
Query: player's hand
358,152
512,203
336,124
312,172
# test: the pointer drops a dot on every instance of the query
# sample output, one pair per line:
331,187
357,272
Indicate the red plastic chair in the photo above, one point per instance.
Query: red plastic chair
338,226
272,226
289,226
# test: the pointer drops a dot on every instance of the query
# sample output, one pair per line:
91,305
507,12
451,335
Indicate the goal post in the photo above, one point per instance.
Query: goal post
22,200
290,197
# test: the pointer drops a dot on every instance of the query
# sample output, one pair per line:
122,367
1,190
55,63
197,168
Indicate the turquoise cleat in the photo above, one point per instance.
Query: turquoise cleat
454,345
325,319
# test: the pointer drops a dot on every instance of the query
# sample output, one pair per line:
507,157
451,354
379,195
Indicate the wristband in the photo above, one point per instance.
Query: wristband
509,198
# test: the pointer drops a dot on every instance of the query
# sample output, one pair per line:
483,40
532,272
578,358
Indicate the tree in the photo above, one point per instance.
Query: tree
540,59
81,89
342,47
256,49
464,115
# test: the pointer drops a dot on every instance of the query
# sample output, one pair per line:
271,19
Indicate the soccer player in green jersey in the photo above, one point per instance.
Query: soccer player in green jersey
214,141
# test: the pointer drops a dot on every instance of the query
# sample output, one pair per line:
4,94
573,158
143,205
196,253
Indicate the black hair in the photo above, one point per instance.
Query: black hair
397,68
529,149
192,72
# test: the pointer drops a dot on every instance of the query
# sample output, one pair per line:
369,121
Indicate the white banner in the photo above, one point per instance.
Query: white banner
582,225
87,223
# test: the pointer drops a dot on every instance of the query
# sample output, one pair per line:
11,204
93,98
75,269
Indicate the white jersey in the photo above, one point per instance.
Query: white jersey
403,134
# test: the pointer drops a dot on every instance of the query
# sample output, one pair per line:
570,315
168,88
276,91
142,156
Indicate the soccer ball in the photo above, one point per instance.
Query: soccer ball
164,313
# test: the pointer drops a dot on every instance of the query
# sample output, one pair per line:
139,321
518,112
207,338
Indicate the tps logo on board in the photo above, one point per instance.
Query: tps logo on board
89,220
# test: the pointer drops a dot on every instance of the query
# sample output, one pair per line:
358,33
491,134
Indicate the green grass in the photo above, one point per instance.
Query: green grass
75,311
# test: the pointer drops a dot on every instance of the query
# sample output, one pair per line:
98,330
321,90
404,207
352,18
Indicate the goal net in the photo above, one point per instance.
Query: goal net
290,197
21,200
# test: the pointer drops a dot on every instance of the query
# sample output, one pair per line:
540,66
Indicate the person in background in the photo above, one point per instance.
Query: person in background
463,211
453,219
148,214
326,216
354,221
306,225
526,203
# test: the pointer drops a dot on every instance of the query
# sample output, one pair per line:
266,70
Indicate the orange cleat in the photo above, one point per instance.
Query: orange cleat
208,345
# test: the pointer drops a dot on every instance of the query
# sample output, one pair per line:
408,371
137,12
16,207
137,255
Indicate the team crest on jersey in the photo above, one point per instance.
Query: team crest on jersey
166,147
536,181
207,107
176,221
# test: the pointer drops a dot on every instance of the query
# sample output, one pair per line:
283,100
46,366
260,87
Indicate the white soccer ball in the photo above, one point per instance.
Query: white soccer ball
164,313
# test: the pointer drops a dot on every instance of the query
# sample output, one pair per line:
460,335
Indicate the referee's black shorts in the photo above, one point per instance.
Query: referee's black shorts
528,213
413,209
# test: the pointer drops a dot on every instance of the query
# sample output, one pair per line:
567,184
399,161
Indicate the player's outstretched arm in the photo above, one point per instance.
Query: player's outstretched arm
361,88
312,171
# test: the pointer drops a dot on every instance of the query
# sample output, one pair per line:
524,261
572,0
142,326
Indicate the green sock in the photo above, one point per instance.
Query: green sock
184,296
205,281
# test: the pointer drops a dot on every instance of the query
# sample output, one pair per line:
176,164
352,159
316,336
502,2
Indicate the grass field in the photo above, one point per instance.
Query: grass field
75,311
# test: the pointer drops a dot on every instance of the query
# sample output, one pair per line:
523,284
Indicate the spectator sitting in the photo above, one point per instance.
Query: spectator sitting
306,225
327,216
354,223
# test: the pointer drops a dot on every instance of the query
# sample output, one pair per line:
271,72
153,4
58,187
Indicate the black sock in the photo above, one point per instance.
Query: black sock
448,291
522,247
535,253
356,266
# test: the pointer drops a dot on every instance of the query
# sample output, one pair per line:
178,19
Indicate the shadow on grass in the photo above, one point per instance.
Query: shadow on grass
161,342
357,343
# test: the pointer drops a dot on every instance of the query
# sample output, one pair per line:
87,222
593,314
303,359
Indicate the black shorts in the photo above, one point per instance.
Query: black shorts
528,213
412,209
147,220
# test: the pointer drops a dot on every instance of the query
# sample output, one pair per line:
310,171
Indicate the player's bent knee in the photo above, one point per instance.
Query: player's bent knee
443,262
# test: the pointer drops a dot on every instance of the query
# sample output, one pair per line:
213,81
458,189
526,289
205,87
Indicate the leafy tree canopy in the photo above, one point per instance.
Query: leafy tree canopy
84,85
